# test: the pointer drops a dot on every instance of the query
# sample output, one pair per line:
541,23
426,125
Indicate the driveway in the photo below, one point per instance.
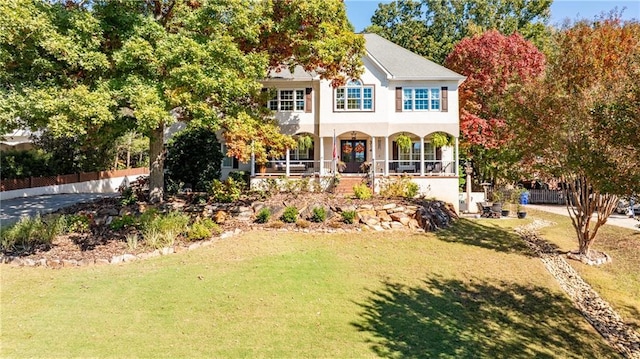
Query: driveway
614,219
12,209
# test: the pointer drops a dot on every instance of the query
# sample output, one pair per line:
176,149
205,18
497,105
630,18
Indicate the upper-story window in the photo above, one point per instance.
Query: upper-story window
354,97
288,100
421,99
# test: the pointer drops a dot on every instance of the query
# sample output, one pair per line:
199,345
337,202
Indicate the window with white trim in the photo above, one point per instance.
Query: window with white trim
227,162
287,100
407,156
429,152
421,99
354,97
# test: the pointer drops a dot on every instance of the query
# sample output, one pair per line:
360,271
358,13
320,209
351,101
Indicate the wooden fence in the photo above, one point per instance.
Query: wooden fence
31,182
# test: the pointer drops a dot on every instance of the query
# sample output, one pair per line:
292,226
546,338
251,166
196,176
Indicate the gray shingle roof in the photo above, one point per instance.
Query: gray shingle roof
401,63
284,73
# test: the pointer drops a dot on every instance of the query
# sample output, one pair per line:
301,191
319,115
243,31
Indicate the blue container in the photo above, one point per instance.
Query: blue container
524,197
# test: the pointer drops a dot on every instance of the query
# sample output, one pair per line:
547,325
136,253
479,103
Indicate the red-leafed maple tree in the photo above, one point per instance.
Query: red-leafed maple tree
493,63
581,122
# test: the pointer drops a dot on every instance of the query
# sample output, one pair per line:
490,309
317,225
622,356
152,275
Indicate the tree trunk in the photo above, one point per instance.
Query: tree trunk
582,202
156,165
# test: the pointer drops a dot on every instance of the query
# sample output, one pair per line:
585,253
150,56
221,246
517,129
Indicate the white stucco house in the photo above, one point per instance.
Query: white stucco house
399,93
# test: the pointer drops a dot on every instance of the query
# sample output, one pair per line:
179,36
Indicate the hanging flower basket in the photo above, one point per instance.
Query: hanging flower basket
346,148
359,148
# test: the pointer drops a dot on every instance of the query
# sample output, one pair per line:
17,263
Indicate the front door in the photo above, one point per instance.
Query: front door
353,154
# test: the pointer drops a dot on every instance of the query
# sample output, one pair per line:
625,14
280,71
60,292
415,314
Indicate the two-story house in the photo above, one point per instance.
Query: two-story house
353,127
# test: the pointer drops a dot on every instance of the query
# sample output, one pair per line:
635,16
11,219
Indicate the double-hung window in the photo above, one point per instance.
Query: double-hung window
287,100
410,156
354,97
421,99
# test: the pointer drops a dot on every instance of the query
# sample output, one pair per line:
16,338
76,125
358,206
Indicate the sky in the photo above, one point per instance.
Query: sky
360,11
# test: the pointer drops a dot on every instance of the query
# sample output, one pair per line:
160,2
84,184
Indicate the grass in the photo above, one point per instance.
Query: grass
617,282
472,292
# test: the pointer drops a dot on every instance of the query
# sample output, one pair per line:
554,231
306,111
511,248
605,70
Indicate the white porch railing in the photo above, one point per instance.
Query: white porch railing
296,167
326,167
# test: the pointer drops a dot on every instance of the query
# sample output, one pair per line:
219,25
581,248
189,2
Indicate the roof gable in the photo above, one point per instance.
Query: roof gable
401,63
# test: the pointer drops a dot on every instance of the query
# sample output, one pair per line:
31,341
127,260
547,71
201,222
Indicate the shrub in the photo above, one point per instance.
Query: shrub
411,190
128,197
194,157
199,231
290,215
263,215
77,223
276,224
241,178
303,224
24,164
152,237
122,222
399,187
362,191
203,229
319,214
132,241
29,232
348,216
225,191
162,230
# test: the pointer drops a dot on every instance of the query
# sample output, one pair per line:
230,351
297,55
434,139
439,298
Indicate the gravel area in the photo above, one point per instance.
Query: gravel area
595,309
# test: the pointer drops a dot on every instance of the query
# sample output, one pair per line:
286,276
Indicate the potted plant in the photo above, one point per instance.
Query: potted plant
440,139
515,198
404,142
305,142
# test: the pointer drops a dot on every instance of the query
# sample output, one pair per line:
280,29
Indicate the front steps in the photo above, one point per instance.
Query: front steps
345,187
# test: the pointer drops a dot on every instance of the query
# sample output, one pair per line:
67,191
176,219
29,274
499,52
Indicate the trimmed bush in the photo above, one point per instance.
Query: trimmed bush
362,191
348,216
199,231
290,215
263,215
319,214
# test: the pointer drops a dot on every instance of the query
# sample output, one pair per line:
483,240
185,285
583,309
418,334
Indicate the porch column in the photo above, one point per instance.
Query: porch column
373,154
457,157
321,156
421,156
253,161
386,155
286,162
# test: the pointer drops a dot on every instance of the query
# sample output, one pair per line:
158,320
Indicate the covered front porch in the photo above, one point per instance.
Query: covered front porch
356,152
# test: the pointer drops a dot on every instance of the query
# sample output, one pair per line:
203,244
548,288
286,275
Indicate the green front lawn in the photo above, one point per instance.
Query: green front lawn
469,292
617,282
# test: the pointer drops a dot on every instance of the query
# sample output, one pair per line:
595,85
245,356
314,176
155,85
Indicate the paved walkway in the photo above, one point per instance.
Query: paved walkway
615,219
12,209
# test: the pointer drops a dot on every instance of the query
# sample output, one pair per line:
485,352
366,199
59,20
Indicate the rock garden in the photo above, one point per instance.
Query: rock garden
127,228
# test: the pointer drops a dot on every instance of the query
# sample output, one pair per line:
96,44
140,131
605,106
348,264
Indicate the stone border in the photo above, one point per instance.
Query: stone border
596,310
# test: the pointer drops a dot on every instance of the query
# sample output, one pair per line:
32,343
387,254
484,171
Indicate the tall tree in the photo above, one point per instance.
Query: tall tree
493,63
143,64
433,27
581,121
